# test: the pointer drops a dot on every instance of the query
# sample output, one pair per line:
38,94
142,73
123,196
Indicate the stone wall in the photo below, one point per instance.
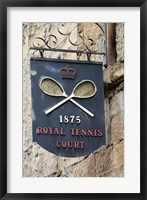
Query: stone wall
107,161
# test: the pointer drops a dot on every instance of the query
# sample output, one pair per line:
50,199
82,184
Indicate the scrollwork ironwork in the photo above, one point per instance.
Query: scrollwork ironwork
64,34
87,37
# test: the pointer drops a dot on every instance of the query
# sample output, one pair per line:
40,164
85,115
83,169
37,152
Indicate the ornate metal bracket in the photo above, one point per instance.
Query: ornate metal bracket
70,38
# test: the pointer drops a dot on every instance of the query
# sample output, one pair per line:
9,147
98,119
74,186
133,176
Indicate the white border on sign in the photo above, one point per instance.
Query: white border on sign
128,184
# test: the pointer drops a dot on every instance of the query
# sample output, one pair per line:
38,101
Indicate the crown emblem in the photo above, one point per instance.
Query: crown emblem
67,72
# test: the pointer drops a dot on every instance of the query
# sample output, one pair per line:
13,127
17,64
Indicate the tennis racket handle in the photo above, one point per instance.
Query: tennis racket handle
82,108
47,111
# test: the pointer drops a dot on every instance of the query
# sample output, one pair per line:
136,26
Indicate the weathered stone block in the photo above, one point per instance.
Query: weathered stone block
117,127
118,153
117,73
113,75
120,42
110,161
107,121
86,168
64,162
117,103
104,162
37,162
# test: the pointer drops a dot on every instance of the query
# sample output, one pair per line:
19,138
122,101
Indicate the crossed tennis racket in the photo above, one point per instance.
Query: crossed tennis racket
84,89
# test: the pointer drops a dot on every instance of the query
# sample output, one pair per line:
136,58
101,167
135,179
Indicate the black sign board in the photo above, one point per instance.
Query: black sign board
67,106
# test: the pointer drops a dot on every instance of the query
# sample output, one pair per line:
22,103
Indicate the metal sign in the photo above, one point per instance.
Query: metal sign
67,106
